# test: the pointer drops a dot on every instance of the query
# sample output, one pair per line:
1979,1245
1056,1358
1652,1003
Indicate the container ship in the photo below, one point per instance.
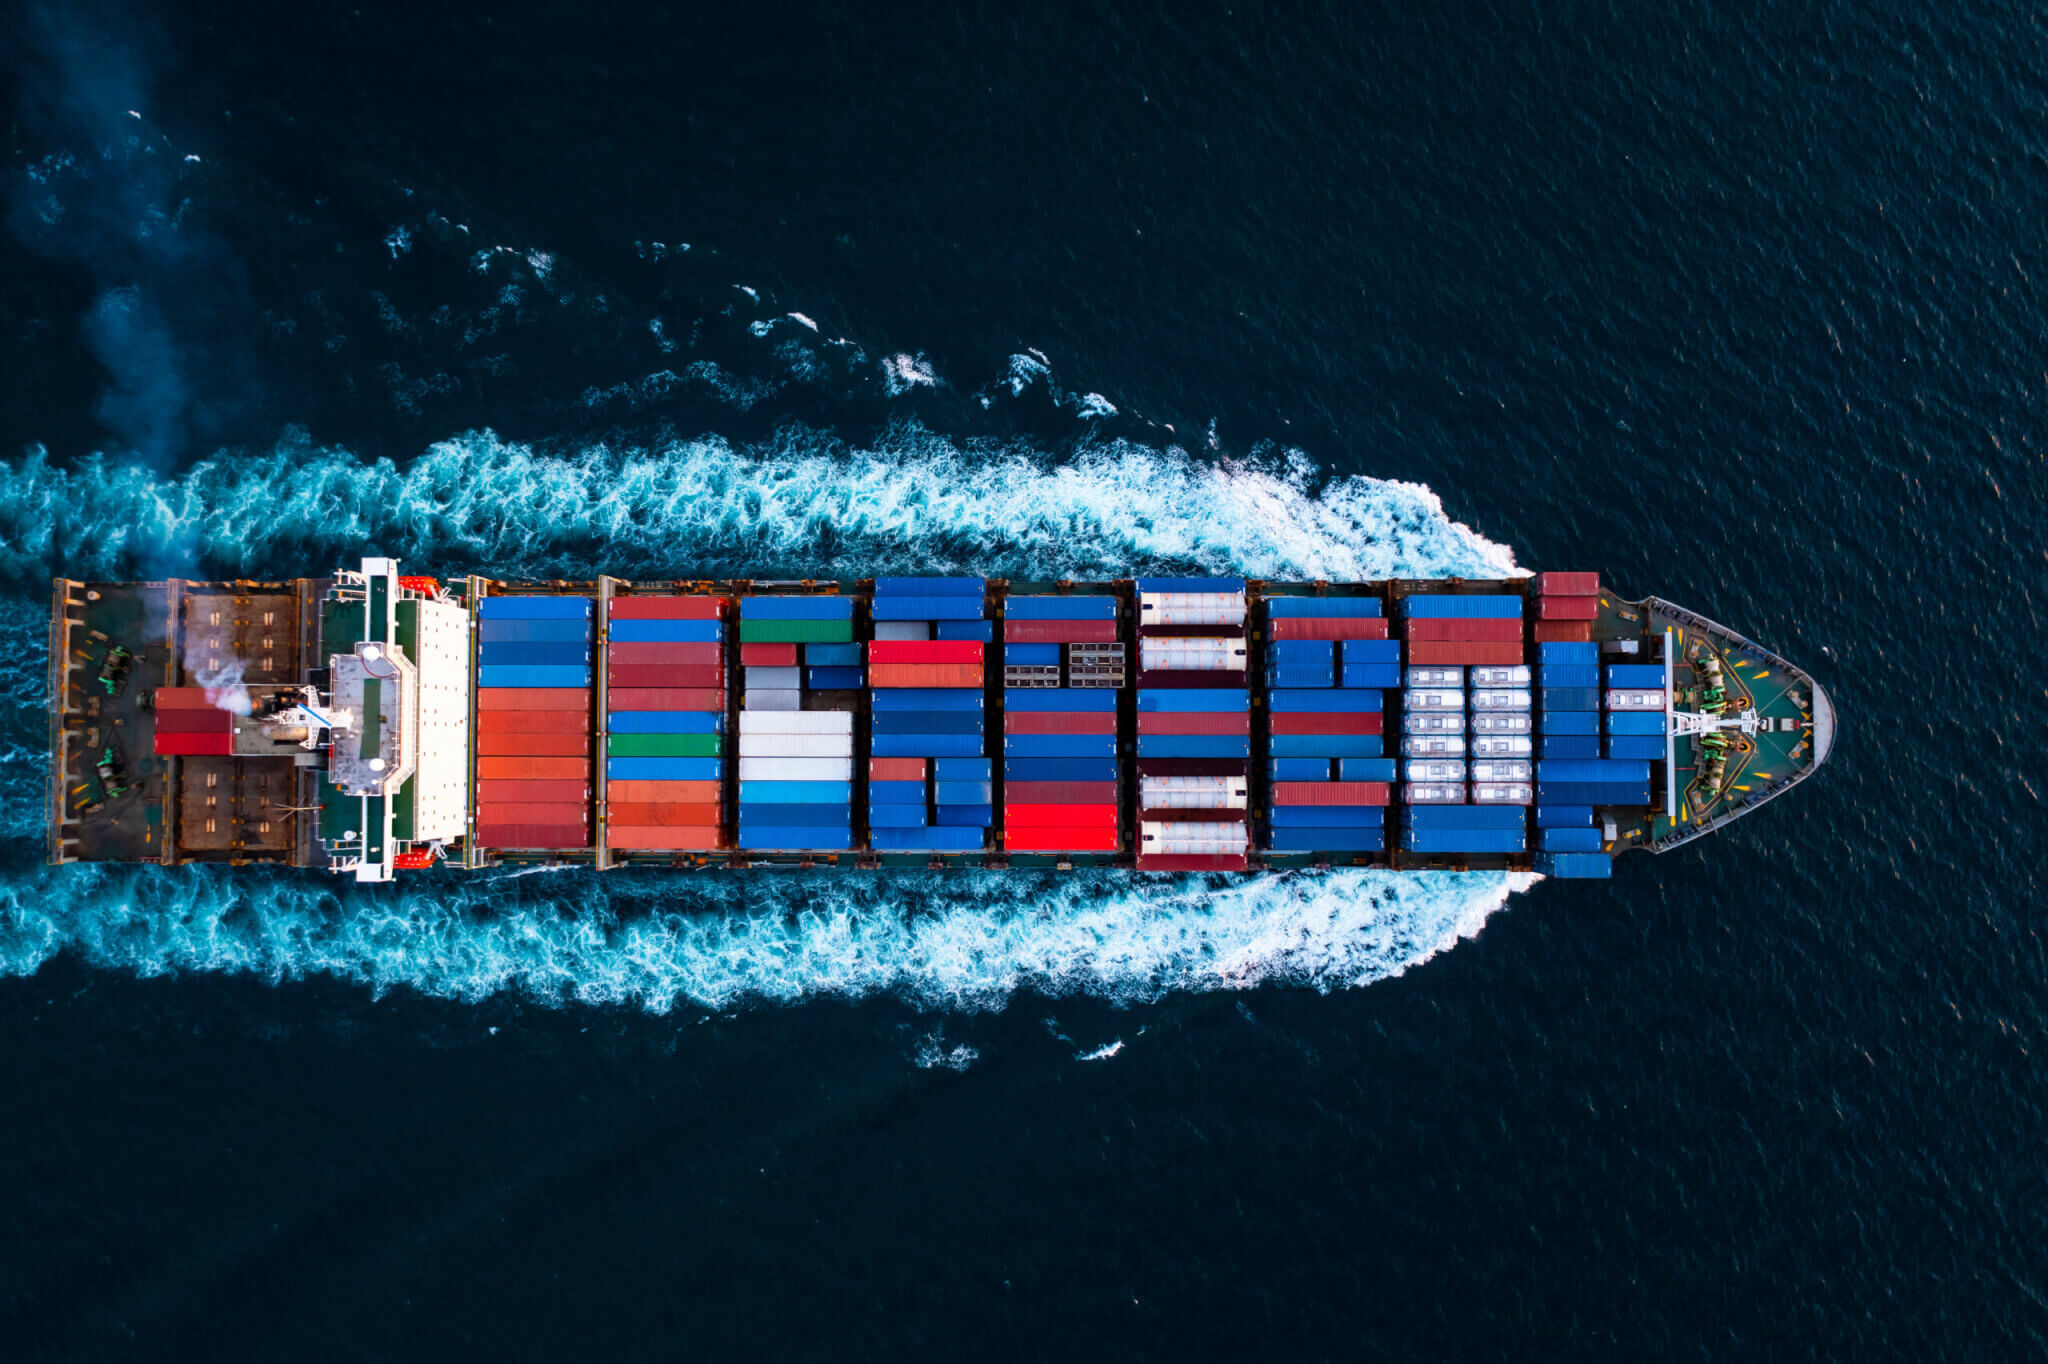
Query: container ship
374,723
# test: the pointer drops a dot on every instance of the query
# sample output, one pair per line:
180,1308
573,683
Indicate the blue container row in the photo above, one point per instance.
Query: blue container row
1325,653
554,653
1318,769
666,722
782,608
1325,745
942,792
1194,746
1464,840
1328,816
1635,722
1068,745
950,839
931,699
803,838
1571,698
1559,651
1322,608
926,721
534,608
836,679
1300,675
798,792
1571,840
1570,722
667,631
963,631
1635,746
1059,769
1327,840
926,608
533,631
1198,586
931,587
1636,676
1060,608
913,816
1568,746
1059,698
1596,770
664,769
1315,703
1370,675
534,675
1436,606
794,814
1568,674
1187,700
925,745
1564,816
1591,793
1576,866
1466,816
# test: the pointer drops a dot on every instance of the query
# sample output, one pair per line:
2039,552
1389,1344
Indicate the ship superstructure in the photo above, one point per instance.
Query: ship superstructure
374,723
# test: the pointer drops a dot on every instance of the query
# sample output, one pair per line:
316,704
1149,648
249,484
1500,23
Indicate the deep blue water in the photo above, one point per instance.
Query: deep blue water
1741,305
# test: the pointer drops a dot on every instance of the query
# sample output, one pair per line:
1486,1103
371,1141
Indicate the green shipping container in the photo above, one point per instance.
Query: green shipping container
796,632
664,745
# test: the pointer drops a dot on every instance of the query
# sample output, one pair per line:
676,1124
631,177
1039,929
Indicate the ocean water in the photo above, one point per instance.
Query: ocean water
1740,306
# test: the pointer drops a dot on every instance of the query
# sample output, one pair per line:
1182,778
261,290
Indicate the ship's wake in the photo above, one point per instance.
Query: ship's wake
805,504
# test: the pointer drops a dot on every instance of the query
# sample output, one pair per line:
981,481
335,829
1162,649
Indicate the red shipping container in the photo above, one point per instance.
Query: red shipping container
666,698
1060,793
633,675
924,675
560,815
1444,653
702,792
638,814
768,655
533,769
1568,584
1194,722
533,722
675,655
533,698
896,769
1052,838
1326,722
1191,862
1335,627
1497,631
1567,608
925,651
538,836
183,698
208,721
1331,792
215,745
1059,722
1564,632
532,793
1059,816
1060,632
535,745
661,838
666,608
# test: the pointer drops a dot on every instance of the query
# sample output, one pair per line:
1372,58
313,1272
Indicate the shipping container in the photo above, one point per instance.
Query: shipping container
537,745
532,631
1636,722
1500,699
1433,771
835,679
1425,651
1515,675
1436,677
882,675
194,744
1466,606
1464,840
1432,745
1635,700
1570,654
658,769
1325,745
686,792
1365,769
553,655
1502,746
1420,701
1061,792
532,793
1553,631
537,837
534,608
1330,793
926,608
1381,675
1499,771
1568,584
648,813
1567,608
1060,608
1635,746
1326,840
1052,838
632,675
533,675
928,840
666,631
751,655
1497,793
1327,816
673,655
774,792
1576,866
666,608
1328,722
897,769
533,769
901,630
1349,629
1503,631
1103,722
1571,699
1571,675
925,651
662,699
1413,794
1321,608
1564,816
1570,746
1298,769
662,838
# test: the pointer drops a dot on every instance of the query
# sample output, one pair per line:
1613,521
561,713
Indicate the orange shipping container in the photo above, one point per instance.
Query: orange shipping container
533,698
661,839
533,793
699,792
533,769
533,722
1564,632
924,675
532,814
533,745
895,769
666,813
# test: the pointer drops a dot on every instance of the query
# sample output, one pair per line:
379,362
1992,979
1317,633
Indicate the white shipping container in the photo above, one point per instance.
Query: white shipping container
1500,700
796,769
1433,771
798,722
1513,675
774,679
1501,795
1435,700
1502,770
1415,794
1502,722
796,745
1193,793
1183,654
903,629
783,701
1635,700
1191,608
1433,722
1432,745
1436,677
1211,839
1502,746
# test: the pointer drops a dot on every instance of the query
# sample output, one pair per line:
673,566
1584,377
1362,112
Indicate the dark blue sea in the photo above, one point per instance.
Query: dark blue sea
1740,304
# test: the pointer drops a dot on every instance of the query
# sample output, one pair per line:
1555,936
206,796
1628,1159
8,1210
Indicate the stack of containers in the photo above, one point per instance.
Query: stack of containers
1329,664
190,725
1566,672
1060,742
1566,604
1635,710
1194,725
795,764
533,722
926,711
665,724
1456,803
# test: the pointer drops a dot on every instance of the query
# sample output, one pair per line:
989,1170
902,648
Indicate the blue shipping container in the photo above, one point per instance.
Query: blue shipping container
1568,675
1031,655
1464,840
1321,651
1371,651
1636,722
664,769
896,815
666,722
981,816
1636,676
784,608
1195,585
1365,769
1383,675
1349,840
1059,769
1631,773
1060,608
1564,816
928,840
667,631
1328,816
832,655
1322,608
931,587
1565,651
1058,698
1571,698
1466,816
962,631
1322,703
963,792
1181,700
1571,840
885,792
799,839
534,675
925,745
532,631
836,679
1591,793
1442,606
1065,745
1325,745
1568,746
1571,722
964,769
533,608
1296,675
925,698
926,721
801,792
1292,769
1576,866
1635,746
554,653
926,608
1194,746
793,815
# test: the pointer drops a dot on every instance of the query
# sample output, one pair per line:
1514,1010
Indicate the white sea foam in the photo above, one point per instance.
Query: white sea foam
903,372
911,501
